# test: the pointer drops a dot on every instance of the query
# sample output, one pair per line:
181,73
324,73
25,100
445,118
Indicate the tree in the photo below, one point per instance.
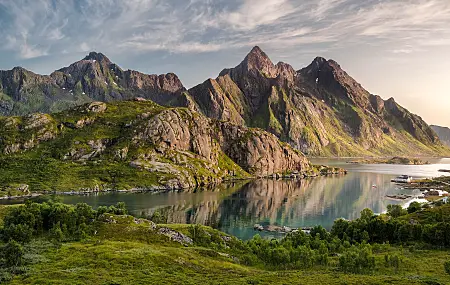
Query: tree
414,207
319,231
121,208
357,259
56,233
339,228
396,211
158,218
13,253
366,215
20,233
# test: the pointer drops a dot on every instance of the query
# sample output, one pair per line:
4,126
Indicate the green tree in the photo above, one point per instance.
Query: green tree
158,218
56,233
366,215
414,207
21,233
396,211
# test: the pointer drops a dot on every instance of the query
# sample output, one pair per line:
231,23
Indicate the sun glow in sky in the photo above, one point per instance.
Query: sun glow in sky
394,48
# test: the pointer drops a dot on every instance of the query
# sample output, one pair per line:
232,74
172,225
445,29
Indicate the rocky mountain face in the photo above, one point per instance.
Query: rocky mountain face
94,78
136,144
443,133
319,110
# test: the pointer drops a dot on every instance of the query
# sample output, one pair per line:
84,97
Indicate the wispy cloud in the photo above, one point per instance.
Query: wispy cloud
34,28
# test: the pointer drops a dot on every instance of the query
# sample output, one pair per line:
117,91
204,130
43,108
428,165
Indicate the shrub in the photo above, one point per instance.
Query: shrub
447,267
392,261
56,233
357,259
21,233
158,218
13,253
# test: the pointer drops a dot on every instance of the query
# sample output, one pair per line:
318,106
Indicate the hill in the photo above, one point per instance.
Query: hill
134,145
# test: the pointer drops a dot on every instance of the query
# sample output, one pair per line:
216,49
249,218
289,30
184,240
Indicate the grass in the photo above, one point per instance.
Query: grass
132,260
124,250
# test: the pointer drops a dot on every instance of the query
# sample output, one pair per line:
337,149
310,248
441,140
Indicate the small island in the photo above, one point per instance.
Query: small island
394,160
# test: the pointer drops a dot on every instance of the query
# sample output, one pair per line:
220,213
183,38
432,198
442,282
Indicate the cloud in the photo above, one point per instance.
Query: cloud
254,13
33,28
402,51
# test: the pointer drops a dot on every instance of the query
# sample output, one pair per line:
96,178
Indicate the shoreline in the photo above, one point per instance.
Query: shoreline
157,190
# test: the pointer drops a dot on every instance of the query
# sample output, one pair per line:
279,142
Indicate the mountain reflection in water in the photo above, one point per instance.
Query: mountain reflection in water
235,207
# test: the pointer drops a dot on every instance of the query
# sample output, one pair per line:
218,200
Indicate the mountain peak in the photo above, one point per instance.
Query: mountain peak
256,50
257,59
97,56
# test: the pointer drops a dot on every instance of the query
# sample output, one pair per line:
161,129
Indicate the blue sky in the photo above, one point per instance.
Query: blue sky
395,48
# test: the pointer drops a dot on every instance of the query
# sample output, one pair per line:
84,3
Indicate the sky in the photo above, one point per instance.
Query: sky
394,48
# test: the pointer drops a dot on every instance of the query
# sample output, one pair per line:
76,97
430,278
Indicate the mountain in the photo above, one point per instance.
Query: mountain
319,110
135,144
94,78
443,133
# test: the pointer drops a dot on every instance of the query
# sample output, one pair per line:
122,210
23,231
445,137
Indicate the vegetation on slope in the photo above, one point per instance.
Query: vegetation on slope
57,243
92,148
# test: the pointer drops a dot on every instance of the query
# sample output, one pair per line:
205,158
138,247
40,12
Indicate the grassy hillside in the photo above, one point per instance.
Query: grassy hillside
129,262
85,149
119,249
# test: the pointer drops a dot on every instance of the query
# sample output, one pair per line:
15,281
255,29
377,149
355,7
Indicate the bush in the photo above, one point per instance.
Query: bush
392,261
447,267
357,259
13,253
158,218
21,233
56,233
61,221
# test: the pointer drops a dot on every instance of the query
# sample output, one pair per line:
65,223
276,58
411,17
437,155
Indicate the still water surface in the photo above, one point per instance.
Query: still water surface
234,208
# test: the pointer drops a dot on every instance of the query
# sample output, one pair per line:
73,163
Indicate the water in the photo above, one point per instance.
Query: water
234,208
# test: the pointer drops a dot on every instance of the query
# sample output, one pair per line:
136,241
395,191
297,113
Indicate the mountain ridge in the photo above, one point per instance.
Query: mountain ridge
319,109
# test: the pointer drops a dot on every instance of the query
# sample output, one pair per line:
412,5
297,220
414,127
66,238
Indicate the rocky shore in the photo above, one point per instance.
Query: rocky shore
395,160
22,191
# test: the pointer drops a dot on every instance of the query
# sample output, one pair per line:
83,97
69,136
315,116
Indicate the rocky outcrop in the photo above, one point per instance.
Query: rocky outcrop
259,152
443,134
21,134
176,236
256,151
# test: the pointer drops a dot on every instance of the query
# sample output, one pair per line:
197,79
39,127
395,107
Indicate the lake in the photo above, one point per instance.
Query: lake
235,207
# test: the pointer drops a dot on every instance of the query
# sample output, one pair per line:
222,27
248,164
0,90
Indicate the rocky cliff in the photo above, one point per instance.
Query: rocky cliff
136,144
443,133
320,109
